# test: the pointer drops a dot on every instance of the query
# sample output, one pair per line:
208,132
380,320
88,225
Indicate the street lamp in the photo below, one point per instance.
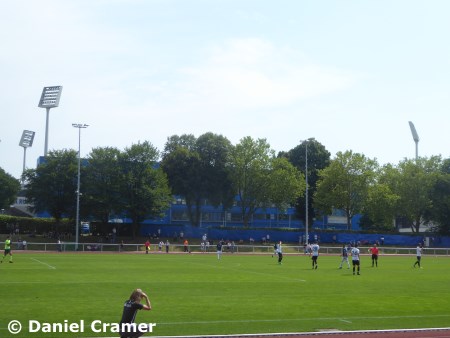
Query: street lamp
306,193
49,99
77,220
26,141
415,137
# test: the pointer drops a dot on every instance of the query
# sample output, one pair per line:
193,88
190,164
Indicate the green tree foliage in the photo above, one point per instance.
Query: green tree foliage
286,183
52,186
344,184
144,187
380,208
259,178
9,188
413,181
101,184
197,170
318,159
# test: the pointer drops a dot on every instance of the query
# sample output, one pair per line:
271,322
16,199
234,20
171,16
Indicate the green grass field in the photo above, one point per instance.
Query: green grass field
195,294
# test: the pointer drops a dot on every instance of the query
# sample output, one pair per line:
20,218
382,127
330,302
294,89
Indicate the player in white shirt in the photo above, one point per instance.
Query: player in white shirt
344,254
315,254
280,252
418,255
355,258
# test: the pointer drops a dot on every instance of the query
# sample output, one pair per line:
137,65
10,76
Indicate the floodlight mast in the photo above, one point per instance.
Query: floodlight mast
77,220
306,193
415,137
49,99
26,141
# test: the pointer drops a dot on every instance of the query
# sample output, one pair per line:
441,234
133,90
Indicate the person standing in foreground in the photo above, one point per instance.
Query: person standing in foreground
344,255
315,254
355,258
130,309
374,251
280,253
418,255
7,250
147,246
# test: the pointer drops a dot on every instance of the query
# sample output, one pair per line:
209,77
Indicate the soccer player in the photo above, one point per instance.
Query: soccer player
418,254
7,250
275,252
374,251
315,254
219,249
355,258
280,252
344,255
147,246
130,309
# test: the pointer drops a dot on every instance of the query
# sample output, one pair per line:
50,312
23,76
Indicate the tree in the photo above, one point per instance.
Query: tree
259,177
413,181
145,188
380,208
52,186
440,210
9,188
197,170
182,167
102,178
318,158
286,183
344,184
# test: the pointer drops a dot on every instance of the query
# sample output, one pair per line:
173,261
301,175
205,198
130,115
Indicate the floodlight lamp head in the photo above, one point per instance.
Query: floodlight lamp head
80,125
50,97
27,138
414,132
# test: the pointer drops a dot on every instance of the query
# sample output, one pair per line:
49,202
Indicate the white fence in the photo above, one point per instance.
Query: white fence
261,249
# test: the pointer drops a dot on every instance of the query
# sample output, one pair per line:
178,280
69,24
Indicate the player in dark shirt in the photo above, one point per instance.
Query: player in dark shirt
130,309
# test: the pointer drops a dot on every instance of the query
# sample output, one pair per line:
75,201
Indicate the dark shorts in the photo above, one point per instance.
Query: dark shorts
374,256
314,258
418,258
7,252
355,262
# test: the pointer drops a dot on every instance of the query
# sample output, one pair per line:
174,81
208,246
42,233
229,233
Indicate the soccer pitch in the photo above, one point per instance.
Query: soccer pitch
197,294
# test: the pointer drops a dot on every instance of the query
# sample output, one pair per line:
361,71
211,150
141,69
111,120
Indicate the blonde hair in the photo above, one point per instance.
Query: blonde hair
136,295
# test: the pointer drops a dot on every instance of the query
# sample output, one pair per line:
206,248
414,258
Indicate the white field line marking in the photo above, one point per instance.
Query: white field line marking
315,333
345,321
43,263
296,319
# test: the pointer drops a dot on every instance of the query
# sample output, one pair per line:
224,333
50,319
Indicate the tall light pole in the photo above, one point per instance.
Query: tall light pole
306,194
77,220
49,99
415,137
26,141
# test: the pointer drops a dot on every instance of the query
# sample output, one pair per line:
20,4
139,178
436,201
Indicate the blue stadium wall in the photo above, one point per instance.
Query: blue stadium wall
290,236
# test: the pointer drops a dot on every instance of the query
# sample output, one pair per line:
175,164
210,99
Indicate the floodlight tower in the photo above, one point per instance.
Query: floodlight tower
415,137
26,141
306,193
49,99
77,220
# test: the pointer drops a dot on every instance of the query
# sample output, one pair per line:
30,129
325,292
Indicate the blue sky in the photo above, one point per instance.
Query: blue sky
349,73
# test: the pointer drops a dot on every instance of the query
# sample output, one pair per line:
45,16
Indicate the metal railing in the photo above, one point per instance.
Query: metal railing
240,248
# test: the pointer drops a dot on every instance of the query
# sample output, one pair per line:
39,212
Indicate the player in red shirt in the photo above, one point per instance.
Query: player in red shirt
374,251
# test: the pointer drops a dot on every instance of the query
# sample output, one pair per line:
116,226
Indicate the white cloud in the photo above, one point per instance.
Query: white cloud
249,73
